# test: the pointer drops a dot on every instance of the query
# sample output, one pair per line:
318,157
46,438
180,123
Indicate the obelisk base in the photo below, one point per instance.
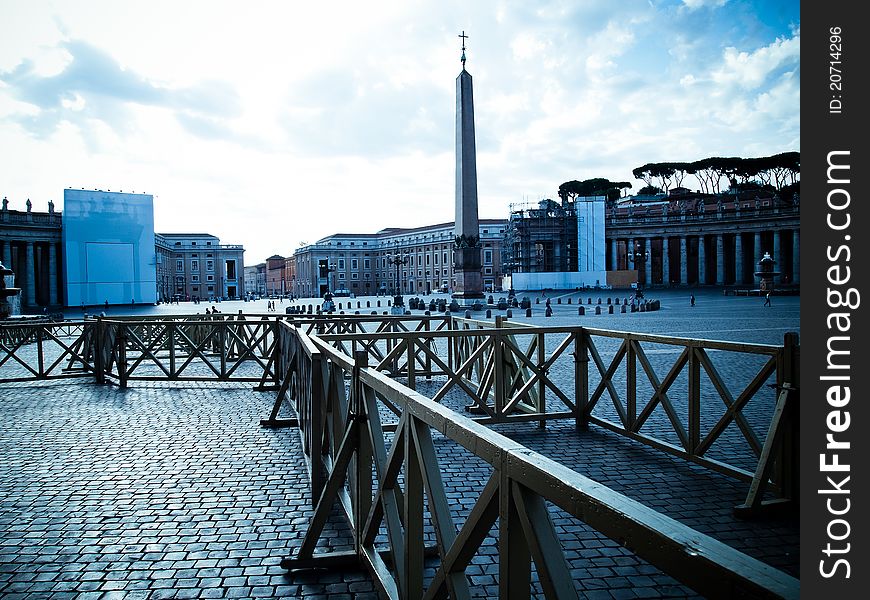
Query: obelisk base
468,291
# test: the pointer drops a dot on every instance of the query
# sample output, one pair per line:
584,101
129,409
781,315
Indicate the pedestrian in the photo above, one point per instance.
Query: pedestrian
692,300
767,299
107,305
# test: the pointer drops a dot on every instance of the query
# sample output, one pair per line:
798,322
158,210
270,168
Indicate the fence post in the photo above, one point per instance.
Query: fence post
122,354
631,384
694,367
97,341
788,465
40,353
581,379
171,333
364,455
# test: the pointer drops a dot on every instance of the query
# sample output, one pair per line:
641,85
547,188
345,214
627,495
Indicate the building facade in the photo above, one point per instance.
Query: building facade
412,261
706,240
679,240
31,245
201,267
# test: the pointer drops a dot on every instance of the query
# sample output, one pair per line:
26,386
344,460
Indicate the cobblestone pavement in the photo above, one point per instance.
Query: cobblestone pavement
174,491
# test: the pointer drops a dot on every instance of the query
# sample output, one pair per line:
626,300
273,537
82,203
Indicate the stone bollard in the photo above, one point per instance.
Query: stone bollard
569,300
589,301
558,301
374,312
510,313
617,301
356,312
368,304
609,300
537,300
427,313
467,314
597,310
528,312
623,308
599,299
610,309
388,303
488,313
379,303
581,311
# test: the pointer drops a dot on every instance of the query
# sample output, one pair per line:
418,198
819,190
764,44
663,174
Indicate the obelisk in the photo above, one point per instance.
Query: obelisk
466,251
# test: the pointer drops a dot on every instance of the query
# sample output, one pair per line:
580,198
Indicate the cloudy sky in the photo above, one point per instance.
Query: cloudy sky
272,124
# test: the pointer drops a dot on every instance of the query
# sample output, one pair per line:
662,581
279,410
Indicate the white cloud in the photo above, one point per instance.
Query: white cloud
276,122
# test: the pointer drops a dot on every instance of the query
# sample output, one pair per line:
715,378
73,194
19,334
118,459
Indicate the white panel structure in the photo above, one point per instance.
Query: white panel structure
109,254
590,234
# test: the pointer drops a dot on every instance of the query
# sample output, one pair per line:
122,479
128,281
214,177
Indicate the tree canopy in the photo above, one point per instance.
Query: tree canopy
596,186
778,171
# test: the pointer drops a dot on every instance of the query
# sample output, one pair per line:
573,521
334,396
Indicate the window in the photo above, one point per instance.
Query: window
341,264
194,278
367,264
341,276
209,265
487,257
194,265
436,259
354,275
211,288
209,277
354,264
487,270
231,269
179,265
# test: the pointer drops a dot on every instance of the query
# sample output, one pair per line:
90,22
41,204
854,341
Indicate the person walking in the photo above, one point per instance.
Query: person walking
692,300
767,299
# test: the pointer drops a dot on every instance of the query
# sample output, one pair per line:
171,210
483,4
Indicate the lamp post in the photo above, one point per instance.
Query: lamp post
638,257
397,260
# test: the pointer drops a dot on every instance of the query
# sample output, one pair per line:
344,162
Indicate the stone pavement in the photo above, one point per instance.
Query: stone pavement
174,491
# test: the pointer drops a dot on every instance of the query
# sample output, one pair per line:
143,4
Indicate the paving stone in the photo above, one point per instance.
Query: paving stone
168,490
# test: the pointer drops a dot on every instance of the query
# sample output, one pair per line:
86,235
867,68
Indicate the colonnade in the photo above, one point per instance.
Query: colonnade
36,268
707,259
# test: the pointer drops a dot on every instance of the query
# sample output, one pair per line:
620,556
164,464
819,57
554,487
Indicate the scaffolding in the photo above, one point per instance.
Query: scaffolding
541,237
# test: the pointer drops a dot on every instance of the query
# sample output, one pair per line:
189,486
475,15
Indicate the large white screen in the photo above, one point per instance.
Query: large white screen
109,263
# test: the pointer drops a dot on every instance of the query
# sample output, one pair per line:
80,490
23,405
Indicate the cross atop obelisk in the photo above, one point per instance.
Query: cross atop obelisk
468,286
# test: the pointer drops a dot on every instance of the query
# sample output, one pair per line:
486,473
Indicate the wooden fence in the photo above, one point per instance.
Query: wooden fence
387,482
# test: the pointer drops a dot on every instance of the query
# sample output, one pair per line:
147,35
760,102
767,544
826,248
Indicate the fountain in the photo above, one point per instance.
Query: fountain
7,293
766,272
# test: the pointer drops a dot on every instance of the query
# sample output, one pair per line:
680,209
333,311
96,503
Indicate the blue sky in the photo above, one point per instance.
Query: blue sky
271,124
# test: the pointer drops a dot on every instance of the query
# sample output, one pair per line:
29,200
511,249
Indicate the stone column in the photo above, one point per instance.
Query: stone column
647,263
666,258
52,274
757,254
702,261
614,243
739,269
796,256
777,254
684,259
7,255
30,278
720,259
